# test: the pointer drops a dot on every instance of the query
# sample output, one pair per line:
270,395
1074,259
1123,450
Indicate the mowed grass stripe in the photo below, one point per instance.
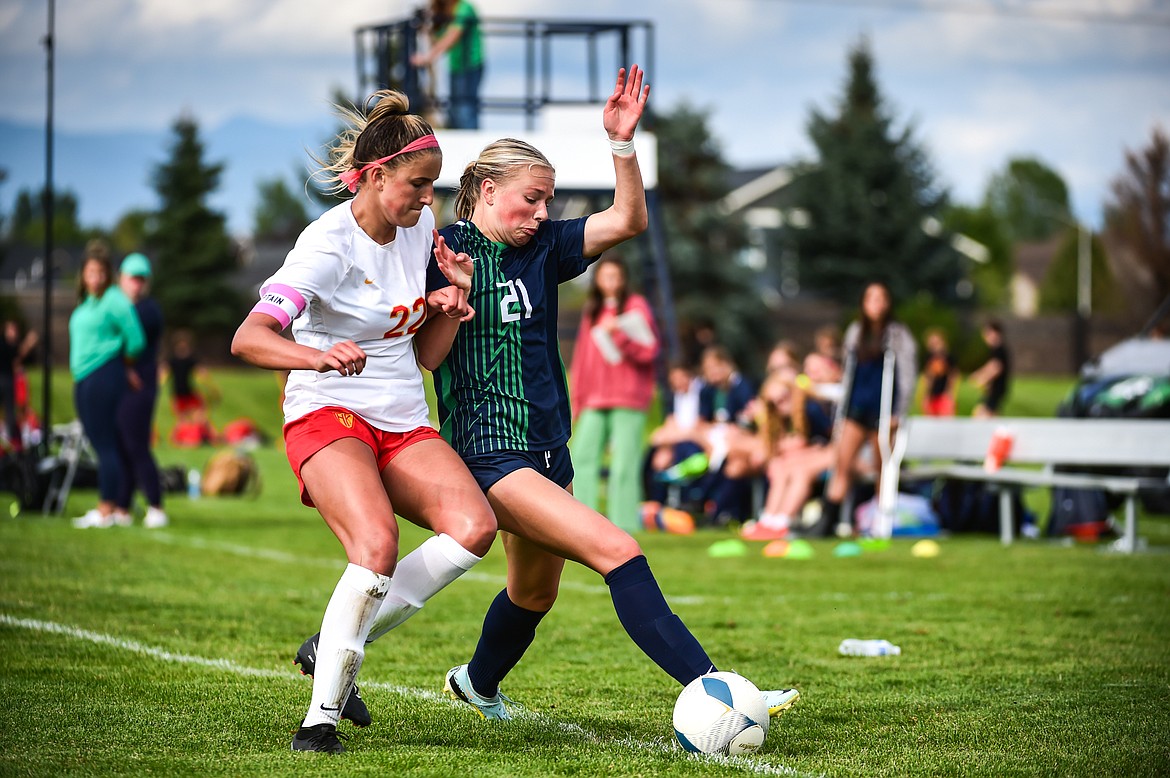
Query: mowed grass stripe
284,557
660,747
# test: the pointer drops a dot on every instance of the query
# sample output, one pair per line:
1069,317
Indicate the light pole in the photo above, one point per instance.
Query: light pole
47,323
1084,297
1084,302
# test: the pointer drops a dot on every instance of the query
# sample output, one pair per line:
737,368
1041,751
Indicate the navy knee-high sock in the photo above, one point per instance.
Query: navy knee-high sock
660,634
508,631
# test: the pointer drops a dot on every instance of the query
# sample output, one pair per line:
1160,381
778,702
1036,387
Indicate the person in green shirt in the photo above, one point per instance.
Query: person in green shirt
457,34
105,337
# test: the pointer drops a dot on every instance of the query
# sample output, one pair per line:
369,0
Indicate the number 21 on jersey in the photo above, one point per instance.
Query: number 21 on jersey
516,294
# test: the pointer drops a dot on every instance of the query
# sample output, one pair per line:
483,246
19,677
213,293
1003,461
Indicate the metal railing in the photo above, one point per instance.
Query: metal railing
384,53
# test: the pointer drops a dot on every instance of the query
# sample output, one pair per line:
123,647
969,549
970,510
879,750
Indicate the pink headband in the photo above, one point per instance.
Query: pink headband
351,177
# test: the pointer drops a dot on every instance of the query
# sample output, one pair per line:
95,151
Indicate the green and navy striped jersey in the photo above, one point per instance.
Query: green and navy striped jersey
502,387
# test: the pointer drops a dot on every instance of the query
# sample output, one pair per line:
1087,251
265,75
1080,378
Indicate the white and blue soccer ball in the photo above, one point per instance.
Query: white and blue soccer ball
721,713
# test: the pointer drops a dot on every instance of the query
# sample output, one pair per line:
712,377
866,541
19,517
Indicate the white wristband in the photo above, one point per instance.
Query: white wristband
622,148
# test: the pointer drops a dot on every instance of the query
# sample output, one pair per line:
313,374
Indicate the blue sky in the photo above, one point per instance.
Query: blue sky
981,81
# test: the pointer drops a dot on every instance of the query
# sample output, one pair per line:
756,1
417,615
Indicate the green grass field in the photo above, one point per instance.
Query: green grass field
168,652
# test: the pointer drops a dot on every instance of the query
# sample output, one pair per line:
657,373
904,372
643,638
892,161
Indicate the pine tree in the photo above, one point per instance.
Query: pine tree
28,219
193,255
279,215
709,282
867,197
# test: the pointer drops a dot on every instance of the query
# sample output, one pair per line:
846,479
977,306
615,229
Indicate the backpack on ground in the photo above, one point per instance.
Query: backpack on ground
1078,512
230,472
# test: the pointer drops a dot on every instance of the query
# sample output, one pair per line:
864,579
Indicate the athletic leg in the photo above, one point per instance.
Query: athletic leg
509,626
430,486
359,512
536,509
805,469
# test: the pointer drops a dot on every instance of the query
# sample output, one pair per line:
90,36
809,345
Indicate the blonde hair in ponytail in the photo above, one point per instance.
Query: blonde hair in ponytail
376,132
499,161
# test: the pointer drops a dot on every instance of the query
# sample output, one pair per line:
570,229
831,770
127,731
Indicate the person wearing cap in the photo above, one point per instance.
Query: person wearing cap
105,339
136,411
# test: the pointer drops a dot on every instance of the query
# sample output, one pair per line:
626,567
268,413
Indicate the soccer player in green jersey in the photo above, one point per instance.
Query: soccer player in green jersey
503,404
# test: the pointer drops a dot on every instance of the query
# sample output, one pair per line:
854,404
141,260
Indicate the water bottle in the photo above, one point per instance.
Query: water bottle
194,484
855,647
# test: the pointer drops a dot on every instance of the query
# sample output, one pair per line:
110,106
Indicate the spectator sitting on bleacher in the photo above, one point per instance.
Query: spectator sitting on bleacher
723,403
783,356
799,457
751,447
822,365
675,440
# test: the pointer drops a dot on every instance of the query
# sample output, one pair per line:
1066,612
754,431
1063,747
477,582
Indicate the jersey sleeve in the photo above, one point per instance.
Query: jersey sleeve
310,272
568,247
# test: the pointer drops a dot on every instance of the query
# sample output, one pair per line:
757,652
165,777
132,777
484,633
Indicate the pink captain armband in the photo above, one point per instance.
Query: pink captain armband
281,302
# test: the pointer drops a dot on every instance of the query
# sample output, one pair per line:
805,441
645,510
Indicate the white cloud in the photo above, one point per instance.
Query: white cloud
980,87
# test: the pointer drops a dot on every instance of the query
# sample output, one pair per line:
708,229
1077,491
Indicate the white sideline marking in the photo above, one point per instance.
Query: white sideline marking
661,747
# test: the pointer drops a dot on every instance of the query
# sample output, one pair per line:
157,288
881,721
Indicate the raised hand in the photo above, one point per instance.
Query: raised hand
623,109
456,267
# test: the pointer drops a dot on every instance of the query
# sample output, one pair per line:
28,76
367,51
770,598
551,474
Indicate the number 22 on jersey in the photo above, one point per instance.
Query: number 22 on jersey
406,320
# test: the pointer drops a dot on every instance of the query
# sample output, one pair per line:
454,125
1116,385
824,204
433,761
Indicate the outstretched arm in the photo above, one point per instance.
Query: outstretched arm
627,216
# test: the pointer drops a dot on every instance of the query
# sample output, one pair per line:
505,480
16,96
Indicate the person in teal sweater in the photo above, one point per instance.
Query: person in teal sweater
105,337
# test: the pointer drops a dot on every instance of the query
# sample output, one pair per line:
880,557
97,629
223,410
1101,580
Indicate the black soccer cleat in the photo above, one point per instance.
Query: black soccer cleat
321,738
355,709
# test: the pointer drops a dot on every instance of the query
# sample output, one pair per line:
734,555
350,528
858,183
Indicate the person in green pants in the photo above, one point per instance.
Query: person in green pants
611,383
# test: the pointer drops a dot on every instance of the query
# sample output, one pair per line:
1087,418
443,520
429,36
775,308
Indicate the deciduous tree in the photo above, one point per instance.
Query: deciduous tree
1137,220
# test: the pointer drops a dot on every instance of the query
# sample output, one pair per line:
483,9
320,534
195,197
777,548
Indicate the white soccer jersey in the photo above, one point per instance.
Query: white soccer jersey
338,284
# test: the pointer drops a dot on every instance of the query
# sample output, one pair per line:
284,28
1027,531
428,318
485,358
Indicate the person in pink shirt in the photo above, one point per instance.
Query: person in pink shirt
611,382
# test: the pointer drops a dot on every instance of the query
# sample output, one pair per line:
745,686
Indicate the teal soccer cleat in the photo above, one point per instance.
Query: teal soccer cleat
457,686
780,700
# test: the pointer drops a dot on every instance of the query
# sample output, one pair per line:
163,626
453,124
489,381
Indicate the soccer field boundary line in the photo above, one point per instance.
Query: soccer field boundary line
662,747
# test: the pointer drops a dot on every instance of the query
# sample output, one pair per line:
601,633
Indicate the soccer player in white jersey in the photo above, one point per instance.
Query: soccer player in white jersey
356,428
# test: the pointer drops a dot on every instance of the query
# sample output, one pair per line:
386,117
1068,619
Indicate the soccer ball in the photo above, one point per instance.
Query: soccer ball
721,713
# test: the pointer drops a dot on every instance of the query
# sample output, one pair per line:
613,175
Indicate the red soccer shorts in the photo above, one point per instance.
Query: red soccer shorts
312,432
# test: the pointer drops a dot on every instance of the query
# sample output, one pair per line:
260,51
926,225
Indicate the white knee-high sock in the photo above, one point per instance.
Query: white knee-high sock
344,627
418,577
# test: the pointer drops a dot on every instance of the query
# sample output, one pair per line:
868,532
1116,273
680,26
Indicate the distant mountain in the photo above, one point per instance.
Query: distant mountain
111,172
